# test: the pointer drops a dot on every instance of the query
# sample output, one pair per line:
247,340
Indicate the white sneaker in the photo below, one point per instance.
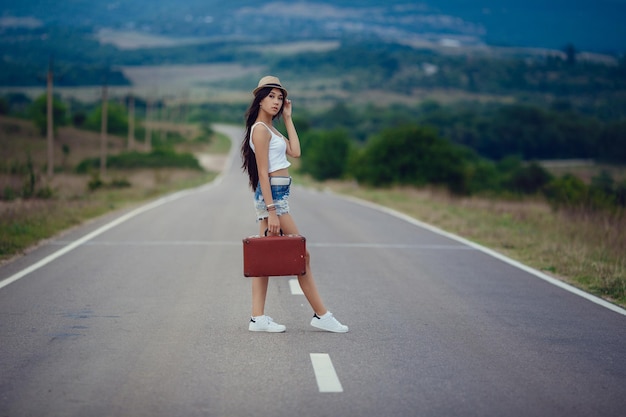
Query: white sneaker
265,324
329,323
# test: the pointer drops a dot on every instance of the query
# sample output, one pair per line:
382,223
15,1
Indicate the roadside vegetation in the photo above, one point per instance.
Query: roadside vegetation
34,207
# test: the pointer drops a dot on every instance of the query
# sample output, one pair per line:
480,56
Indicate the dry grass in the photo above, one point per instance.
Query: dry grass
24,222
292,48
584,169
185,76
18,138
128,39
216,83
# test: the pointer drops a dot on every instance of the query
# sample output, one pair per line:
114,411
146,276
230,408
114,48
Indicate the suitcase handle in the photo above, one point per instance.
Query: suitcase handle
281,232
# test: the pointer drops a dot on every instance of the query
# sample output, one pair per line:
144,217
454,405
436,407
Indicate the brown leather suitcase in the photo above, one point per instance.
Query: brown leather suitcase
273,256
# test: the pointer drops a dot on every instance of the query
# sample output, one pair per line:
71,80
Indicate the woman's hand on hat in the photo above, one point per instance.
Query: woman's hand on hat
287,108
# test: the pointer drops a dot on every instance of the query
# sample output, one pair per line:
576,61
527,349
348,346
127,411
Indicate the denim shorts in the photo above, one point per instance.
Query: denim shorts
280,195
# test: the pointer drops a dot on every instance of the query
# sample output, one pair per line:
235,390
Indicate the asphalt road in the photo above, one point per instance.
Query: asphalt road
145,313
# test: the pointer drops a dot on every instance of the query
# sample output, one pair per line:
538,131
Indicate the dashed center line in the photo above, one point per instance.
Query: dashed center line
295,288
325,375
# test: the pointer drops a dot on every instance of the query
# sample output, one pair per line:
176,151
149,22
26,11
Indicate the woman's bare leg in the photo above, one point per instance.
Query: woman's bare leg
307,282
259,286
259,292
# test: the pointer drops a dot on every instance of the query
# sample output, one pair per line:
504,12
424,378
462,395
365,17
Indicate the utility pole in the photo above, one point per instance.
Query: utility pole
50,122
103,131
162,119
183,107
148,140
131,122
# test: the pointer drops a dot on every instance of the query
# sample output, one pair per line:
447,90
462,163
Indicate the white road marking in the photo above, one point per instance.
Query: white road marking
73,245
295,288
327,380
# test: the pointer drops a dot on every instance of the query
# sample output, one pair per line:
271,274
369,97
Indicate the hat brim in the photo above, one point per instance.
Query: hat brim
280,87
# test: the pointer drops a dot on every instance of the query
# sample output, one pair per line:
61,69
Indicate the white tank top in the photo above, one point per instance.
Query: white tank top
278,150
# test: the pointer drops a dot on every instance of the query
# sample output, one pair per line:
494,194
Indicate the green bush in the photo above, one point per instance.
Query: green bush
567,191
483,176
44,193
9,194
326,154
620,194
411,155
120,183
570,192
158,158
95,182
79,118
117,119
4,106
529,179
39,114
612,142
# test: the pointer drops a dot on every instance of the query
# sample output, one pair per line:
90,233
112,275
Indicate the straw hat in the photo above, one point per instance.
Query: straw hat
269,81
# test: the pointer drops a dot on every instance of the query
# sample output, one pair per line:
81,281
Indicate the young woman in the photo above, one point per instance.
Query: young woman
264,152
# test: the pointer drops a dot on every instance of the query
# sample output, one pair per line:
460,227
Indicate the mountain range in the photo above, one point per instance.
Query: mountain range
596,25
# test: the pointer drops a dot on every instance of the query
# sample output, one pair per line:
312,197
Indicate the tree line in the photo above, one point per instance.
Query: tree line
416,155
492,130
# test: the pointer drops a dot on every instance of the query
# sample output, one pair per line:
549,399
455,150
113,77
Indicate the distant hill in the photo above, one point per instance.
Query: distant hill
591,25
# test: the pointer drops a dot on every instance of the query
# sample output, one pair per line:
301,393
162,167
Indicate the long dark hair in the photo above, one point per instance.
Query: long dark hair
247,155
